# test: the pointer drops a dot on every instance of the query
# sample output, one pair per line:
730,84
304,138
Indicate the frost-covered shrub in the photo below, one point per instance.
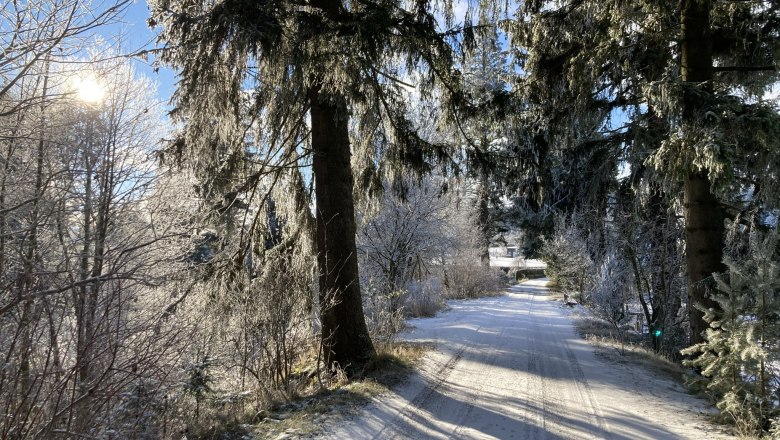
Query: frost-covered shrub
256,310
609,298
611,295
423,298
774,429
569,264
405,235
384,313
268,329
199,381
472,281
140,412
418,246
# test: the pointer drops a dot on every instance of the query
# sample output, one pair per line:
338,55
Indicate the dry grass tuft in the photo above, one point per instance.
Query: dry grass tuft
307,415
424,299
608,340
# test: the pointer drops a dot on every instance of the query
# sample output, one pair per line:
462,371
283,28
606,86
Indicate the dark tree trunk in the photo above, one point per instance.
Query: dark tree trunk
346,341
485,228
704,247
703,214
542,180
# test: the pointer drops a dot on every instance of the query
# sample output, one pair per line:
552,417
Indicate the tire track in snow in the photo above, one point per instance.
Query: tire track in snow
488,360
586,393
519,371
422,400
561,385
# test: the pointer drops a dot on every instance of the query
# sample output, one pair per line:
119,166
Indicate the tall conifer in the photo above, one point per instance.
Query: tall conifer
671,89
319,80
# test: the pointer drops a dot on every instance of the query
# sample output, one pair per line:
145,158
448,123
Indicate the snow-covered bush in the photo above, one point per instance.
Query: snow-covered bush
400,241
472,281
423,298
611,296
420,246
198,381
569,264
384,313
251,302
140,411
265,322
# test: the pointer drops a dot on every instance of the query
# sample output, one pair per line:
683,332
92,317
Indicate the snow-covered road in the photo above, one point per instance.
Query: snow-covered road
512,367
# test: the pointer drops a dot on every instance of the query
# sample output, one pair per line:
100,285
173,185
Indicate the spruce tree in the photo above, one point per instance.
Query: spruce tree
308,81
673,86
485,73
740,351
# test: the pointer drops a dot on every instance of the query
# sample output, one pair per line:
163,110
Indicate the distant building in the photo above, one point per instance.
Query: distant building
510,257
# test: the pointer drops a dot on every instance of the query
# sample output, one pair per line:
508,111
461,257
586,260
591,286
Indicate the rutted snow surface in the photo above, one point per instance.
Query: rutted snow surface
512,367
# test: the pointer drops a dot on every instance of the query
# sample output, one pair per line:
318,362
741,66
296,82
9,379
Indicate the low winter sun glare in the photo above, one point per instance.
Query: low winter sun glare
89,90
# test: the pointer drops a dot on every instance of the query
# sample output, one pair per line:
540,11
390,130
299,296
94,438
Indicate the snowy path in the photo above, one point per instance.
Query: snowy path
512,367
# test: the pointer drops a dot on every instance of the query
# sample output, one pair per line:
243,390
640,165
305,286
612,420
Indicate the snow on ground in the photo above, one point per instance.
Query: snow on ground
512,367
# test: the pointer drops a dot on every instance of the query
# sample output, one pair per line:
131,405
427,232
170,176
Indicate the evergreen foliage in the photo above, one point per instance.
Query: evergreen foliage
623,90
741,356
267,86
569,263
199,381
485,79
633,141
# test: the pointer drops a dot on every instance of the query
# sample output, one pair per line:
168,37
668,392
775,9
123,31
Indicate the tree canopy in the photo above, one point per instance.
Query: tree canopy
307,82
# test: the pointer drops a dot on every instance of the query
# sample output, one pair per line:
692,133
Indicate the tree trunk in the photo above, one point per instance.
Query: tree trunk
82,301
703,214
485,228
657,208
346,341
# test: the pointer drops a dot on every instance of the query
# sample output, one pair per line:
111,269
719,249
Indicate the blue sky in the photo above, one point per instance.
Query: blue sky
133,34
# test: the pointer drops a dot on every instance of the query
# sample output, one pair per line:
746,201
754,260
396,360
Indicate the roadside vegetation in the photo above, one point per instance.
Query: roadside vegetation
627,346
735,368
315,406
325,170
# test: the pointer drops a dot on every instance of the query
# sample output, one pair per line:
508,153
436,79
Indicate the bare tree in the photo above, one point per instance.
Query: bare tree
75,242
422,245
407,235
35,35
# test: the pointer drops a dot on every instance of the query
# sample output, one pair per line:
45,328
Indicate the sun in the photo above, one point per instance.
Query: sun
89,90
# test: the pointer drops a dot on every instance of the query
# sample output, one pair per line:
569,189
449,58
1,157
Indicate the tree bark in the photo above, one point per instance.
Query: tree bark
345,336
485,229
82,303
703,214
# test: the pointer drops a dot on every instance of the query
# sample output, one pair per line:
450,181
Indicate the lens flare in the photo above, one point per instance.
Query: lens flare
89,90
